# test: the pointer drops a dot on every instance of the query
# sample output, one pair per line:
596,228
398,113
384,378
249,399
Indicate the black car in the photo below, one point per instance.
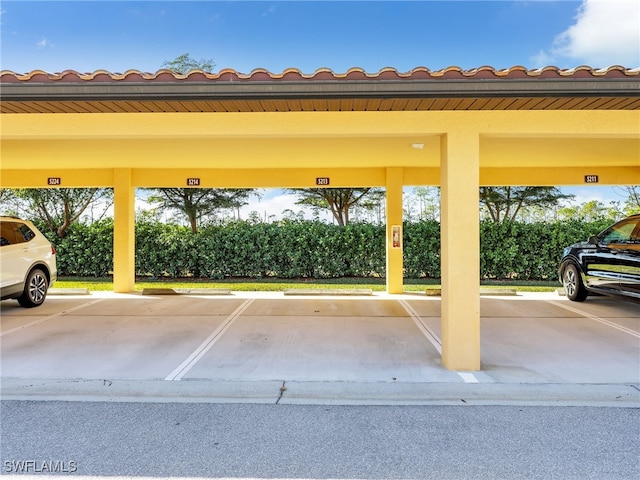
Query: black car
608,263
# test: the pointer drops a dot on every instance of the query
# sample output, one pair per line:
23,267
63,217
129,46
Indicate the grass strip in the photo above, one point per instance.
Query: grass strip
277,285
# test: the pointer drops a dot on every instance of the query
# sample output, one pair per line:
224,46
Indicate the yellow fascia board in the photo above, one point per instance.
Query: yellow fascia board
70,178
528,176
306,178
260,178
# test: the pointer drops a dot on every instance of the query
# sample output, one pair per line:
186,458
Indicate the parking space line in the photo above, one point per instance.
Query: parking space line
468,377
50,317
597,319
204,347
431,336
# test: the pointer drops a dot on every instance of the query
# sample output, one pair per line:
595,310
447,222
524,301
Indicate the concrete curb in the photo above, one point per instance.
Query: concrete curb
68,291
328,291
127,390
321,393
186,291
484,292
461,394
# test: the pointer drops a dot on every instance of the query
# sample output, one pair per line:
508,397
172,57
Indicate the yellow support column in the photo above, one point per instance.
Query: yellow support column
394,230
460,251
123,232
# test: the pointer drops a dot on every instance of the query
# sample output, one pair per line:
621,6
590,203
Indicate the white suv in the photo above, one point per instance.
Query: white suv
27,262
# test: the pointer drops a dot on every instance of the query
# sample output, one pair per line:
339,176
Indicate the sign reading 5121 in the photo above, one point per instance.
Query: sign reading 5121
591,179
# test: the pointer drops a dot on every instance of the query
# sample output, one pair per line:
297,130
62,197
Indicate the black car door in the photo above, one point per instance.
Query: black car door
614,266
630,260
602,267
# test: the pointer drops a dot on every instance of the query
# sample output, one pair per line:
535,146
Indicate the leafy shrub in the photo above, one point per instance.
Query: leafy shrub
421,248
85,250
312,249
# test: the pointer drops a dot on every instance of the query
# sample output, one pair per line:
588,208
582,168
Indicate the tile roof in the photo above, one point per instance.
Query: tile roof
322,74
452,88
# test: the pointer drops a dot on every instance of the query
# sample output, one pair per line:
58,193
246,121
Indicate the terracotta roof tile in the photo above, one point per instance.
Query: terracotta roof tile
322,74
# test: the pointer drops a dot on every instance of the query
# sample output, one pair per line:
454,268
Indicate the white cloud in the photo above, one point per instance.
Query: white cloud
604,195
44,43
269,11
542,59
606,32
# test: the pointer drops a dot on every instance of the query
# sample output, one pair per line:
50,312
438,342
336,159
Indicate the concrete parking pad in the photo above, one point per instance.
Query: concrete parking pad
557,341
552,350
269,346
116,338
353,341
14,317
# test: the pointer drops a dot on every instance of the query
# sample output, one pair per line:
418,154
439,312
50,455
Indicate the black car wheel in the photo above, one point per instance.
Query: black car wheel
35,289
573,285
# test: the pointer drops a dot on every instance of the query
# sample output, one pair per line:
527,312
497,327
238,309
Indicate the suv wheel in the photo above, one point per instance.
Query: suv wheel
573,285
35,289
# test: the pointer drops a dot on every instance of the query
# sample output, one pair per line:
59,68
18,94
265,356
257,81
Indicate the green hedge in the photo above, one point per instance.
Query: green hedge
292,249
311,249
529,251
86,250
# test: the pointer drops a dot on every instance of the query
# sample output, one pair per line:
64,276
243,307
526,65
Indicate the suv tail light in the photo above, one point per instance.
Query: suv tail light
53,250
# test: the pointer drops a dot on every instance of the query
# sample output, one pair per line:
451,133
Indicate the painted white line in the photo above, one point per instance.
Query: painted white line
468,377
204,347
431,336
50,317
631,332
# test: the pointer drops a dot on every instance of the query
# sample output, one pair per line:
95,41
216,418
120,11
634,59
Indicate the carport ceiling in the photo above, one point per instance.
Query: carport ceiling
550,88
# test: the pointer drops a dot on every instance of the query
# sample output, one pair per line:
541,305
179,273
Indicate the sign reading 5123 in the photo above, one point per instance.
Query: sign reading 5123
322,181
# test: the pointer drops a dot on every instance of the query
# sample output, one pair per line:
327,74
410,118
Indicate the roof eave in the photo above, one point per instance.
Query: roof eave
337,89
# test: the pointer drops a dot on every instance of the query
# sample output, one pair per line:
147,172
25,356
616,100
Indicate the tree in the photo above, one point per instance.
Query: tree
7,201
423,203
504,203
338,200
371,208
196,203
59,208
183,64
590,211
632,203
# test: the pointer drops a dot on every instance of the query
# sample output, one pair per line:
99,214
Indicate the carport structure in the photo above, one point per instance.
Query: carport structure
459,129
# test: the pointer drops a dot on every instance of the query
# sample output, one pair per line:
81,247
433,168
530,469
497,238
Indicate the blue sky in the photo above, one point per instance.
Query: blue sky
244,35
119,35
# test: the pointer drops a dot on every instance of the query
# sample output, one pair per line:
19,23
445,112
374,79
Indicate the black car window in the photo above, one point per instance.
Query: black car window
7,233
12,233
25,232
620,233
635,236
